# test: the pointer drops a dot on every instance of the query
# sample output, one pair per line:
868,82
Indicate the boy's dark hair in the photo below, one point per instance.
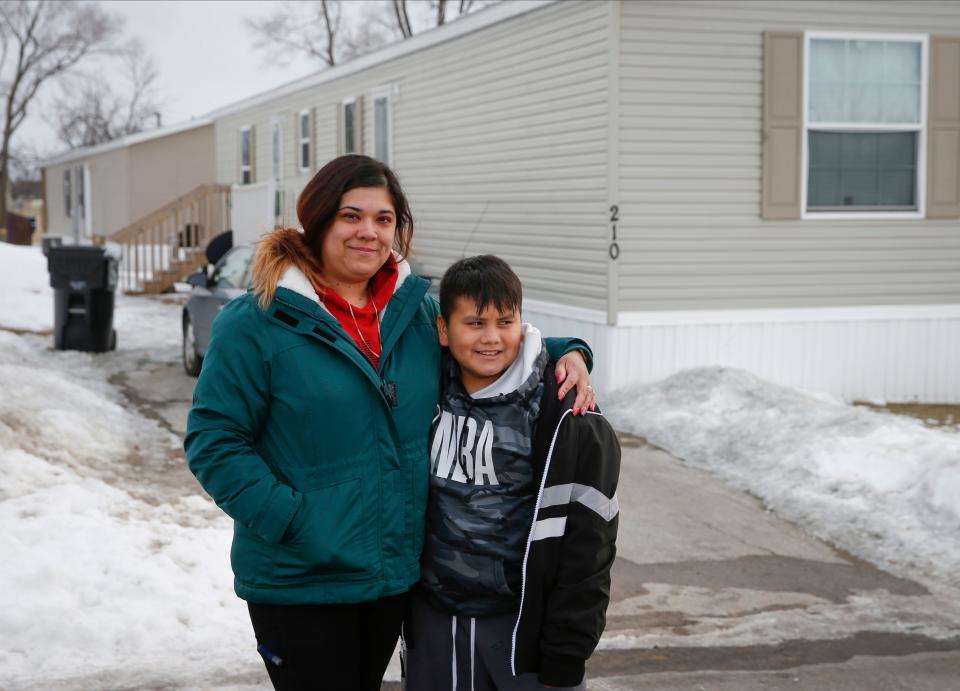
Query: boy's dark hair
485,279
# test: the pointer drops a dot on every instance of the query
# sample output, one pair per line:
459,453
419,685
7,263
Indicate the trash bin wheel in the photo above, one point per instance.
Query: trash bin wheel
113,340
192,360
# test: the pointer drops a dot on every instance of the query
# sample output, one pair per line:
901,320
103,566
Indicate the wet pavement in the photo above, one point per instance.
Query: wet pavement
710,590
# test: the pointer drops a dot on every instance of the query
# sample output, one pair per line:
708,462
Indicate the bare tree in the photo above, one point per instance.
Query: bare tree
43,40
403,17
294,28
414,16
440,9
89,111
324,30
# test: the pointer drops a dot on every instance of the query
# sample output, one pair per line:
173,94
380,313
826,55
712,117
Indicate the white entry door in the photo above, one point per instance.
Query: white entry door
252,212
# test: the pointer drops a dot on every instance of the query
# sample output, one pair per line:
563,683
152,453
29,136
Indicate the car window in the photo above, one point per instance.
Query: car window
233,267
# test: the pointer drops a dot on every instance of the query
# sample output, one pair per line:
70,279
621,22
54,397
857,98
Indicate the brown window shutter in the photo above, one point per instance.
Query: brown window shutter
253,153
313,139
943,138
358,124
340,129
782,124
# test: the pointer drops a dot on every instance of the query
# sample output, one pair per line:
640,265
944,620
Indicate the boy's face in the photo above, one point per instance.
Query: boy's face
483,342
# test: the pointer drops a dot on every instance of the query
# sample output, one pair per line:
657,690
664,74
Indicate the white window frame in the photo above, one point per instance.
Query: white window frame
389,93
350,100
248,168
301,140
921,130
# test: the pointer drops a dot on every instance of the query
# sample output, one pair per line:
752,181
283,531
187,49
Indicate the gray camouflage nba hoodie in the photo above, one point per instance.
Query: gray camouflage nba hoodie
501,458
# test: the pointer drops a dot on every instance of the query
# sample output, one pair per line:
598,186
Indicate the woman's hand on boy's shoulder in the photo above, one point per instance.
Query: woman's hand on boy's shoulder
571,371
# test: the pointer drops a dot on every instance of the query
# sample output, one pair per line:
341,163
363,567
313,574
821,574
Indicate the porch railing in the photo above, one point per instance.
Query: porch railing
161,248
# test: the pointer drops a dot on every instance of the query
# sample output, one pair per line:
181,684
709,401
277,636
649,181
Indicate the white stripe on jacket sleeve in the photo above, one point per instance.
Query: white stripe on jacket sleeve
548,527
591,497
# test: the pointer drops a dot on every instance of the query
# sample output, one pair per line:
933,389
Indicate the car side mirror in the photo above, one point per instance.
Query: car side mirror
198,279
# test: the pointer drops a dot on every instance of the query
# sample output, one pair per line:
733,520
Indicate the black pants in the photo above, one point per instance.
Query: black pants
329,647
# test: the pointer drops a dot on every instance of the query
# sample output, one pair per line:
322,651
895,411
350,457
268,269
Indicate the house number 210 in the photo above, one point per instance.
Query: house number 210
614,217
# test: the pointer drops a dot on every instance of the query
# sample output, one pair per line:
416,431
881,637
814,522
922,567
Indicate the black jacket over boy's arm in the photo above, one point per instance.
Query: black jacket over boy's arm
572,544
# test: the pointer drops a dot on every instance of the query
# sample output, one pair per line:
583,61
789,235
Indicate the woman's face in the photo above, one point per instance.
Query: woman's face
361,236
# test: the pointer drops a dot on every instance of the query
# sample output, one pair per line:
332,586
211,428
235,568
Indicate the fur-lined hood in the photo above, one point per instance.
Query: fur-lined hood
284,261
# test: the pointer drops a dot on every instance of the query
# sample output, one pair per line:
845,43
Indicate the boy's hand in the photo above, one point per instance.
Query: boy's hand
572,372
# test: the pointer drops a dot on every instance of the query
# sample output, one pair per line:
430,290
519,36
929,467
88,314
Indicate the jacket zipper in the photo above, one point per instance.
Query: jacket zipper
526,554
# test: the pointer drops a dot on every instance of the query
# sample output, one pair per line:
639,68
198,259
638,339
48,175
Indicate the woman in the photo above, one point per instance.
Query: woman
309,427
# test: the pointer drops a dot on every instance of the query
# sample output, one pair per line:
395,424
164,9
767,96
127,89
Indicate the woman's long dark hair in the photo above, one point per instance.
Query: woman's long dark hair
318,203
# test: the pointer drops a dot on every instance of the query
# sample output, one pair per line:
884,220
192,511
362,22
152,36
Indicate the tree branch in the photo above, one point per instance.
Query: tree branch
331,34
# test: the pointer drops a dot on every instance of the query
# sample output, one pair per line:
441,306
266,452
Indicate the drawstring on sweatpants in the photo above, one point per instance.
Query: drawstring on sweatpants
453,636
473,650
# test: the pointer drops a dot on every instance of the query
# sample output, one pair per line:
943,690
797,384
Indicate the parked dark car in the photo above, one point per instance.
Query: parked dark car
211,291
229,278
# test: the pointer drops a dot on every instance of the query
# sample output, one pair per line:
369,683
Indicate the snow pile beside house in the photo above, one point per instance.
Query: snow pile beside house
884,487
25,287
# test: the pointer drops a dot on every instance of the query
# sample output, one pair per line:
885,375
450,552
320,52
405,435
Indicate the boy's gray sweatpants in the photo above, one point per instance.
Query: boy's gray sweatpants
462,653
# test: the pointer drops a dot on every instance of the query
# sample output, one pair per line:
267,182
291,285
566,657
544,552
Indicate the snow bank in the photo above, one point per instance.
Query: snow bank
94,581
25,286
106,581
884,487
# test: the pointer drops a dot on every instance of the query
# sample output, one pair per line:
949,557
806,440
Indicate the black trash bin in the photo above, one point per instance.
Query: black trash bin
84,280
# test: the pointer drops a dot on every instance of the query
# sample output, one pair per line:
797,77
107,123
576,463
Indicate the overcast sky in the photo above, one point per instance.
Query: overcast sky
203,53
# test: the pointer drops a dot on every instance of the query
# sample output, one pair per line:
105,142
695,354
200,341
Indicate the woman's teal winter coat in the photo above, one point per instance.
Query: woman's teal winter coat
320,458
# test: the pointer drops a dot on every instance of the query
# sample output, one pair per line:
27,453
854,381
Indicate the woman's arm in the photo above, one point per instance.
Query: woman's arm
230,403
574,361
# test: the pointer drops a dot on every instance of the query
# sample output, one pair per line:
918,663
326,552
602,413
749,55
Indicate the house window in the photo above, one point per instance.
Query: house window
864,125
67,194
351,127
303,148
278,199
276,161
81,200
246,156
382,127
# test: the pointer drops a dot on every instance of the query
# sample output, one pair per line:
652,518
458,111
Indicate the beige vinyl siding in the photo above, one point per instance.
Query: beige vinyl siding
690,170
499,138
165,168
109,182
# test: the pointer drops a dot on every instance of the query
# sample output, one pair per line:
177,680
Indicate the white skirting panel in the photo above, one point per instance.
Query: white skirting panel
901,353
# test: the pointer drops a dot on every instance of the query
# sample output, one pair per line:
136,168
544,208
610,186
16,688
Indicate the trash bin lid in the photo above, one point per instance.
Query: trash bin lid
78,267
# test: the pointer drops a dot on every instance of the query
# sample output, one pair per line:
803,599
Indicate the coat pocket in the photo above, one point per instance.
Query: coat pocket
333,536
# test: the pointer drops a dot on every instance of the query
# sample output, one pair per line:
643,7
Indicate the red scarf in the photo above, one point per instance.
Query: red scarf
362,323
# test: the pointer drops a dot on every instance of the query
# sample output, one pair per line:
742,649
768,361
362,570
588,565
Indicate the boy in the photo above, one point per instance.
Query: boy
522,513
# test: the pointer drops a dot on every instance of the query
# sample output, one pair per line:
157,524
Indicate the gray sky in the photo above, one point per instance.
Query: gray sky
202,51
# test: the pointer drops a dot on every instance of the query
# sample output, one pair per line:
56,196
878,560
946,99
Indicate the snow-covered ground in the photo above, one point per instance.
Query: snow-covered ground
113,575
882,486
24,289
115,571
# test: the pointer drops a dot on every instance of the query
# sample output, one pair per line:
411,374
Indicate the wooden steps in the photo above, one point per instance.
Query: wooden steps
165,246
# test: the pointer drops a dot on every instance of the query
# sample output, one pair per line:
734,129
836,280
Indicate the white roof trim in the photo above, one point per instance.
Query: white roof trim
459,27
129,140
